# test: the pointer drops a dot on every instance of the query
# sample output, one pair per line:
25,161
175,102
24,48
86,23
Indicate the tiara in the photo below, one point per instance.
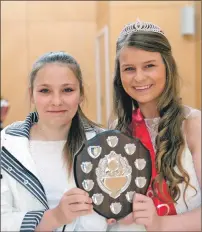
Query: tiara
140,26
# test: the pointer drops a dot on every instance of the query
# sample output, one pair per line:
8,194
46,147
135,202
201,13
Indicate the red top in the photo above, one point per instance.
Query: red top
140,131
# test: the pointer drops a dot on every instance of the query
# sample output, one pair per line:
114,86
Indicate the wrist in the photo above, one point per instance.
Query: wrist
163,223
57,219
48,222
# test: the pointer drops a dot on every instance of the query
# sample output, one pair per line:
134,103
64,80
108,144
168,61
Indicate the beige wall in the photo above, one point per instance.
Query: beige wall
14,62
102,14
198,54
31,28
102,19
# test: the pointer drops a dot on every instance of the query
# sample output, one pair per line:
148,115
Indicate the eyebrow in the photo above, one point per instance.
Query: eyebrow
47,85
126,65
149,61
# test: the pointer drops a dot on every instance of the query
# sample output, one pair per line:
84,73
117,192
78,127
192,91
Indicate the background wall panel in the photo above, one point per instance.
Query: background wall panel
14,68
198,54
31,28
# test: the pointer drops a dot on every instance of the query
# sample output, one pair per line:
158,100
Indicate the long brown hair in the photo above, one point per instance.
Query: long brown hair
168,151
80,123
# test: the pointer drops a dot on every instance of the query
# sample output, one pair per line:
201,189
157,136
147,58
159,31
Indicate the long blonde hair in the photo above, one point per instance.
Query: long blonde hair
169,141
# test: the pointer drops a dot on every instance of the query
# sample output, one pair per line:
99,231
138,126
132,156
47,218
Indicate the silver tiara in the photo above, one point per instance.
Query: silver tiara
140,26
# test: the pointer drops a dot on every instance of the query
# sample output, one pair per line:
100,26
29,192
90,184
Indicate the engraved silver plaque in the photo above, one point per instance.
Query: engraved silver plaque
116,207
113,174
140,164
140,181
112,141
86,167
130,148
88,185
129,196
97,198
94,151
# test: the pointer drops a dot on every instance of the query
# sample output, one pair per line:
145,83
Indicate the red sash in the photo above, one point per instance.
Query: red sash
140,131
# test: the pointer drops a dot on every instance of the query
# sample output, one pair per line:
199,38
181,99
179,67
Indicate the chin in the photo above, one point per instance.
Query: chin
58,122
144,100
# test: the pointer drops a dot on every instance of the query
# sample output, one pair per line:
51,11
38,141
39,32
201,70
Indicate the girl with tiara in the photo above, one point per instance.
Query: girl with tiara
148,106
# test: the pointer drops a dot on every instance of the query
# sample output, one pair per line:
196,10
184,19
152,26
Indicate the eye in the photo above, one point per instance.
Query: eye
149,66
67,90
129,69
44,90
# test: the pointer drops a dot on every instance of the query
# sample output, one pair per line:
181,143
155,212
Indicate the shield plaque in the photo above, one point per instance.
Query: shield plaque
112,167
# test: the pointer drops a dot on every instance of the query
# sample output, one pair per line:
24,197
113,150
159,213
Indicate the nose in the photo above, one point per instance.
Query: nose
139,76
56,99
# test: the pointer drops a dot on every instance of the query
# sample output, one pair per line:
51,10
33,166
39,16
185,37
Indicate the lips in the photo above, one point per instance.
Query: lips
143,87
58,111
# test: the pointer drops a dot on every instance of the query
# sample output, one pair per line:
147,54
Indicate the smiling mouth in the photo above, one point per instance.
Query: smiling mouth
58,111
142,88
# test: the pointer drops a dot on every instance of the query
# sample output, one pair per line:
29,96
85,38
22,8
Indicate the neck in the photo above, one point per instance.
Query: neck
149,110
41,131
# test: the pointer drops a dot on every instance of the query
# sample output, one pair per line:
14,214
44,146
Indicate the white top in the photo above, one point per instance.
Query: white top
48,157
53,175
17,202
193,199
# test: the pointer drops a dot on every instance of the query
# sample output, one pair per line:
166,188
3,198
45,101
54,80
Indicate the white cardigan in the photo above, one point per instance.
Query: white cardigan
23,199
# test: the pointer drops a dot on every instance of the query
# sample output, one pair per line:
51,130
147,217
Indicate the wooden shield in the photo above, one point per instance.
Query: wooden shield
112,167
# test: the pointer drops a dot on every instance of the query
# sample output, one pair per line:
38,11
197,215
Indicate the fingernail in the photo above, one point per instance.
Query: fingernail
112,221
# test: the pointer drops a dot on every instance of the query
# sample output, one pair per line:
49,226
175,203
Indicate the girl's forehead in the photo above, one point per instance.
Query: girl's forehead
133,54
55,75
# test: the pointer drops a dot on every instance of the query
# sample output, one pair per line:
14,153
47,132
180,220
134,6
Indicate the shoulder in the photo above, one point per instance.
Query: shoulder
93,131
9,131
191,112
192,130
192,119
113,124
13,126
192,127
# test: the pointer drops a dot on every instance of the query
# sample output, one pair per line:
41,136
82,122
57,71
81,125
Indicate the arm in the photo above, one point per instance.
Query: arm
189,220
11,218
73,204
193,136
48,221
